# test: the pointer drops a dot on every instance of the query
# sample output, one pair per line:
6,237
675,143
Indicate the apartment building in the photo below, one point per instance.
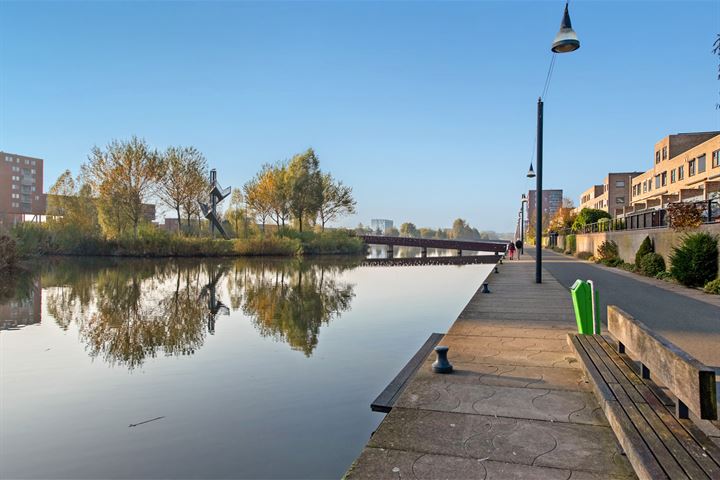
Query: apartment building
686,167
380,224
551,203
612,196
21,187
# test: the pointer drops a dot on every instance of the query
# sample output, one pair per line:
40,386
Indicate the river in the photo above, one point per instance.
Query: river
249,368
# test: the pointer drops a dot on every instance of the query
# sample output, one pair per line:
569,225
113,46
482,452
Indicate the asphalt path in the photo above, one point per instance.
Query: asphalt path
691,324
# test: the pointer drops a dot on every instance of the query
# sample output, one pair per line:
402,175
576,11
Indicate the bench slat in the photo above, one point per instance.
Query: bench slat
703,450
692,382
641,458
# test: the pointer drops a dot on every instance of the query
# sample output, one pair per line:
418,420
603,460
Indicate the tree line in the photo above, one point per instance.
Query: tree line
116,183
460,230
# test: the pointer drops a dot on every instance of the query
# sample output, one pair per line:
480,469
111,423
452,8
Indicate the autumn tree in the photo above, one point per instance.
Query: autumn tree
305,186
184,171
337,200
71,204
257,199
124,175
237,213
276,180
408,229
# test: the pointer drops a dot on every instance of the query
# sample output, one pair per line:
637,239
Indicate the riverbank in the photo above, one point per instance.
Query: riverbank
32,240
516,406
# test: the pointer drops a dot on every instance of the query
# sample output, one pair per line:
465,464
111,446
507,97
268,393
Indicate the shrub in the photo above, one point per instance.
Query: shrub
611,262
8,252
695,261
645,247
652,264
571,243
607,250
713,286
584,255
629,267
664,275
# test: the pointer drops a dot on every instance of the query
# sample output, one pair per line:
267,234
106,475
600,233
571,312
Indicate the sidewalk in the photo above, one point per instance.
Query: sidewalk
515,407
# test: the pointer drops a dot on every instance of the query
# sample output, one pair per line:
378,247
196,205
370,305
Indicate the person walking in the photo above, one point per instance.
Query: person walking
511,250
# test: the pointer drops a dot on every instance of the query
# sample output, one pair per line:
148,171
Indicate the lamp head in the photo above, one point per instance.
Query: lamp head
531,172
566,39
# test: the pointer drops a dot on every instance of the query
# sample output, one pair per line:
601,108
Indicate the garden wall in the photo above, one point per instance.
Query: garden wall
629,241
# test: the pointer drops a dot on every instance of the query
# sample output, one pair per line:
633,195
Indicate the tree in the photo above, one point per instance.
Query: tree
588,216
684,216
305,186
123,175
236,214
256,199
276,187
337,200
391,232
180,185
408,229
563,218
69,205
427,233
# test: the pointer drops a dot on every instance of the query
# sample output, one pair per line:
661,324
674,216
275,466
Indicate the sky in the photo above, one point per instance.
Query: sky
427,109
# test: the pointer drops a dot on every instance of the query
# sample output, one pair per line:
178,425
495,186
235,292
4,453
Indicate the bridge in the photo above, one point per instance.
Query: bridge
494,246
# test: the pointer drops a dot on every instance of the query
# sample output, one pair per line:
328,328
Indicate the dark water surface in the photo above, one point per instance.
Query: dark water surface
245,369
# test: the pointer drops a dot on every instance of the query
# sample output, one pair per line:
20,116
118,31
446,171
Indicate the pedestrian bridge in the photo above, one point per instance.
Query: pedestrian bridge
494,246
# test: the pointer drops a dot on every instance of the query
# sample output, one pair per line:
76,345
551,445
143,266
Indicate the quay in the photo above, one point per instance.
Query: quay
516,406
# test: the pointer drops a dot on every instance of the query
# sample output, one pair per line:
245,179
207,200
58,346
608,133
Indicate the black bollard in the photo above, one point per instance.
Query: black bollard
496,270
485,288
441,365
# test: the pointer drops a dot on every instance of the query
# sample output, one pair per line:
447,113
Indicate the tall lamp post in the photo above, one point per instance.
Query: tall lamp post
523,201
566,41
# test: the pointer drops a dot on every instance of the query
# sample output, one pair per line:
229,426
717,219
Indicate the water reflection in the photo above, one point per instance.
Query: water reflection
130,310
20,300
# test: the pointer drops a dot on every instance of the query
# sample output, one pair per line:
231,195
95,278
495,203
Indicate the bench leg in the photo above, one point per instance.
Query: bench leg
681,410
644,371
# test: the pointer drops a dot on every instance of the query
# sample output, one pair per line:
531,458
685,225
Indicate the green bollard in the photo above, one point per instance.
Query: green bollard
582,293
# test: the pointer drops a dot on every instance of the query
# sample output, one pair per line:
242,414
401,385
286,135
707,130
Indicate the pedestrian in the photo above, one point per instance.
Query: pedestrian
511,250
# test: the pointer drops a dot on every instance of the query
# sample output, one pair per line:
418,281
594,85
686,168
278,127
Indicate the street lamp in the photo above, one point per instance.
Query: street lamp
565,41
523,201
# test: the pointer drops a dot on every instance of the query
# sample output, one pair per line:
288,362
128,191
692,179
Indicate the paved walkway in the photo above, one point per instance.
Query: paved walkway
515,407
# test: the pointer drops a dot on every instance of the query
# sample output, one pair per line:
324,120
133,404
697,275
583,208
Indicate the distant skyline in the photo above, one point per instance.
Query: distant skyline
427,109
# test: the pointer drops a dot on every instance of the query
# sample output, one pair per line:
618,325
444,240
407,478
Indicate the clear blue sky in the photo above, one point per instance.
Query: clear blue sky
426,109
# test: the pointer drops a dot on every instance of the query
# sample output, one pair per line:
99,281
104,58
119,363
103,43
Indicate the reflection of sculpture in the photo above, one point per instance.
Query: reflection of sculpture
215,306
217,195
292,304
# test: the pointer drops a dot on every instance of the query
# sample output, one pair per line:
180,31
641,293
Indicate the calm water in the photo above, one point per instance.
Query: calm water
246,369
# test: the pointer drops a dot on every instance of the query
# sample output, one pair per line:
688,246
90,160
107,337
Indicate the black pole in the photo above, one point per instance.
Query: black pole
522,228
538,194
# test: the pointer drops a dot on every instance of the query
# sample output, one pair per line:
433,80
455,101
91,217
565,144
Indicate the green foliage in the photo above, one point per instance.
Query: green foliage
588,216
713,286
8,252
645,247
584,255
695,261
629,267
306,193
651,264
611,262
571,243
408,229
607,251
329,242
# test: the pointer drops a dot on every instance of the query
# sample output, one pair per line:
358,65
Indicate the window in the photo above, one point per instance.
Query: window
672,176
701,163
32,162
664,153
657,181
620,183
716,159
681,172
691,168
37,197
620,200
657,156
663,178
15,195
8,158
16,178
14,187
15,205
15,169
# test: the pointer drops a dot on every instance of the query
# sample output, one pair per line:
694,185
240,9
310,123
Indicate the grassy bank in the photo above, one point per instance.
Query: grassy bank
34,239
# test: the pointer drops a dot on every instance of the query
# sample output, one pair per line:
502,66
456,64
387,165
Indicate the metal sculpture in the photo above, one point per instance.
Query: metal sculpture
217,195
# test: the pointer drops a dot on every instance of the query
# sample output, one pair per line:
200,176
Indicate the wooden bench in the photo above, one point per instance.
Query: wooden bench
387,398
654,430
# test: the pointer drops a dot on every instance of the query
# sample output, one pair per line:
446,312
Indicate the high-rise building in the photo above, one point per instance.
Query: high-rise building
21,187
380,224
551,203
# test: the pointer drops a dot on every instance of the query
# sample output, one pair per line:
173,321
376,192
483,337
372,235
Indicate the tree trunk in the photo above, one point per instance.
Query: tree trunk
177,209
300,222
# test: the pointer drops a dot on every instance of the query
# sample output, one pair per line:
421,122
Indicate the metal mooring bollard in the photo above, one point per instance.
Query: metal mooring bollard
501,261
496,270
485,288
441,365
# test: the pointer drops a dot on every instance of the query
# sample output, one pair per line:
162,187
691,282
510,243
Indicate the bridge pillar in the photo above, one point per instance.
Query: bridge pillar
459,253
389,251
423,252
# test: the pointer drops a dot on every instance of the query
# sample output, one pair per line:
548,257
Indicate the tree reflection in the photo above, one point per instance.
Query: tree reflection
292,301
127,311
